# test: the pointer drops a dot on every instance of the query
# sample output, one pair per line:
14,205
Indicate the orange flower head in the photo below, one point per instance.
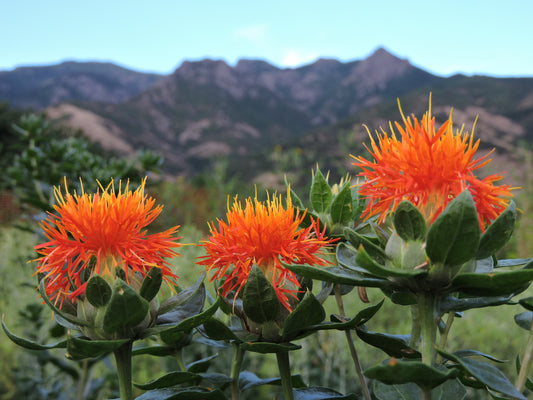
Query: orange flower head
99,233
429,168
265,234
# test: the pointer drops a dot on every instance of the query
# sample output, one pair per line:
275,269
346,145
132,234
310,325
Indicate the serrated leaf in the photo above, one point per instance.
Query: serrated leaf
29,344
454,237
400,372
259,299
125,309
98,292
151,283
485,373
308,312
320,195
409,223
498,233
341,206
79,348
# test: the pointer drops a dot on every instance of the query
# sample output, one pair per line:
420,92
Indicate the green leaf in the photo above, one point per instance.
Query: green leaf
151,283
259,299
217,330
494,284
373,267
321,393
68,317
524,320
320,195
98,291
454,237
202,365
485,373
158,351
189,305
29,344
409,222
498,233
182,297
394,345
451,303
248,380
405,391
398,372
79,348
308,312
336,276
188,393
126,308
346,255
373,249
187,324
527,303
267,348
167,380
341,206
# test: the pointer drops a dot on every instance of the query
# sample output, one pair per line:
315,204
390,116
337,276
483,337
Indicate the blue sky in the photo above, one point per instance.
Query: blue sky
472,37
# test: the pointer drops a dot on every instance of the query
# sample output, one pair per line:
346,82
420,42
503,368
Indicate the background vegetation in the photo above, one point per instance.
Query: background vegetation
35,157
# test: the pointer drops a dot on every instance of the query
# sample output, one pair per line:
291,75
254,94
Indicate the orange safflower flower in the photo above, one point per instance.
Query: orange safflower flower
265,234
429,168
107,227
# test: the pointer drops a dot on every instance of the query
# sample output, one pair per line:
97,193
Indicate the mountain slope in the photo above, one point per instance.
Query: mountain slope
39,87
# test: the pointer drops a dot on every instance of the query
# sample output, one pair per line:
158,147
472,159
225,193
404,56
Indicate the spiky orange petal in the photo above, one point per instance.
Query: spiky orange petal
108,227
266,234
429,168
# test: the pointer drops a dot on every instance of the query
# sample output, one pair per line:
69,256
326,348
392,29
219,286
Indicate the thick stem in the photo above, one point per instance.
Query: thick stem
427,304
123,360
179,359
285,374
238,355
351,346
415,326
526,363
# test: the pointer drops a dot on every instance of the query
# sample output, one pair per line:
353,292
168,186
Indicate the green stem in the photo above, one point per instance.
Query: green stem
179,359
351,346
444,336
238,355
427,304
123,360
526,363
82,382
415,326
285,374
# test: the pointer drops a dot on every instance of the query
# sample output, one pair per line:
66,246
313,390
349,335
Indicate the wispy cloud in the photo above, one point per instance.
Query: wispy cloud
251,33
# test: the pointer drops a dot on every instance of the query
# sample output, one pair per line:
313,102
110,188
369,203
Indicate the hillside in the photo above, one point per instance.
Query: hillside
209,109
